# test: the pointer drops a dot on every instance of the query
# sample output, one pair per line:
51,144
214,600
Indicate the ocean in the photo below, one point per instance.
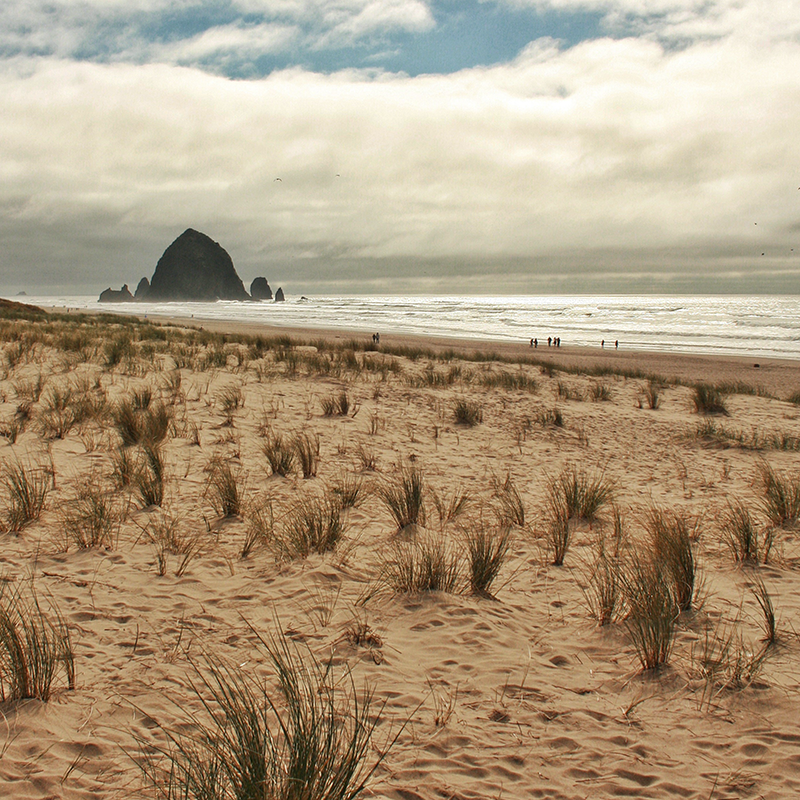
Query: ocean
757,326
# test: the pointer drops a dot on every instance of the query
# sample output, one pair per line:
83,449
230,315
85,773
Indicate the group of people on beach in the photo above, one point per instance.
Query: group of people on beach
552,341
376,338
555,341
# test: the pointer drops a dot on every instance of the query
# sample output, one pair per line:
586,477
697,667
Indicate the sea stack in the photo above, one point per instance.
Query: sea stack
142,289
279,298
113,296
259,289
195,268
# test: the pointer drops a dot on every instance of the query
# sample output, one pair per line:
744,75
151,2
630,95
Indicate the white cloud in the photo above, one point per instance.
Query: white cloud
686,19
243,41
617,145
123,29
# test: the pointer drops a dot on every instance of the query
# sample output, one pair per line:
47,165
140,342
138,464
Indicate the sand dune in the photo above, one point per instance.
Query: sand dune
516,695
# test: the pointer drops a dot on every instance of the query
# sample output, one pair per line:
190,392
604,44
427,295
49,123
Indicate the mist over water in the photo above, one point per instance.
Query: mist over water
758,326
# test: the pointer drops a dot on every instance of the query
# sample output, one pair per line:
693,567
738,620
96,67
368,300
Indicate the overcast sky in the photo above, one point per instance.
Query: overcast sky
402,146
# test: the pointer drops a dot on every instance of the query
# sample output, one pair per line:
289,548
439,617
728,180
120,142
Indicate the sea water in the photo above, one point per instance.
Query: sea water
753,326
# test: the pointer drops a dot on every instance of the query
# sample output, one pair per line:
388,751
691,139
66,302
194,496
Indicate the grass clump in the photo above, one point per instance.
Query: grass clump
603,589
600,392
671,539
348,490
487,550
768,622
230,400
310,737
137,425
427,564
34,648
510,509
404,498
148,480
449,507
306,448
559,530
781,502
27,488
580,495
91,519
313,525
651,396
466,412
651,610
223,489
740,532
725,662
336,405
169,538
709,400
280,453
260,527
567,392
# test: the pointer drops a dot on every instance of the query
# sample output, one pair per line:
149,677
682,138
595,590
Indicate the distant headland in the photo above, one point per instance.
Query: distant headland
194,268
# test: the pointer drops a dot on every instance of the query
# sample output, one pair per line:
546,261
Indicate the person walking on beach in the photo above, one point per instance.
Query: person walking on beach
616,345
549,339
603,344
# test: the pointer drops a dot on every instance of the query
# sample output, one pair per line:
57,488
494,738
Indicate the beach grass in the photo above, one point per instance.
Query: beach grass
404,497
35,647
311,736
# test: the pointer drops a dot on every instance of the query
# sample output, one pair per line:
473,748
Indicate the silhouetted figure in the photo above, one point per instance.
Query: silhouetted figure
535,344
603,344
549,339
616,345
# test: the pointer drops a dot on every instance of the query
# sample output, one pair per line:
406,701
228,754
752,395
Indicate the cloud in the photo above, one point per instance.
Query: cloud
177,32
684,20
616,155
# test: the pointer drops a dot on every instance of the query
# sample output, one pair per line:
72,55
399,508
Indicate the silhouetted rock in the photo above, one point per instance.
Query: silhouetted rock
113,296
22,294
279,298
195,267
142,289
259,289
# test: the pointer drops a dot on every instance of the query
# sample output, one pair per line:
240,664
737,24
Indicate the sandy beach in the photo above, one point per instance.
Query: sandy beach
527,686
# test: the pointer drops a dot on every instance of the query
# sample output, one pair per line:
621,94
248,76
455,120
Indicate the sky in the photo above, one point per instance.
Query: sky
404,146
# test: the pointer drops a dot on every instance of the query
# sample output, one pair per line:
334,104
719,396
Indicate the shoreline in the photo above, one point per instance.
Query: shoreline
780,377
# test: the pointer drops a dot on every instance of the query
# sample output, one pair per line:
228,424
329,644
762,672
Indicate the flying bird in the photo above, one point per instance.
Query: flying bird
277,179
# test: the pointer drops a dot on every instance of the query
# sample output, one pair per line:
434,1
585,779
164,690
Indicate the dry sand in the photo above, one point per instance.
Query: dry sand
520,696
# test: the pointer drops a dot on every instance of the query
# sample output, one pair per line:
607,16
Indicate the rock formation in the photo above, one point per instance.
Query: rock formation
279,298
113,296
195,267
142,289
259,289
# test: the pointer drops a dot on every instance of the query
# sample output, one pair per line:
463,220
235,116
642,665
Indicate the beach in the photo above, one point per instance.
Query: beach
526,686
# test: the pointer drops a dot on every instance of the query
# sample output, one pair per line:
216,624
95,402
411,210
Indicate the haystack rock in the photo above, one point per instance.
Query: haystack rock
279,298
142,289
195,267
259,289
113,296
